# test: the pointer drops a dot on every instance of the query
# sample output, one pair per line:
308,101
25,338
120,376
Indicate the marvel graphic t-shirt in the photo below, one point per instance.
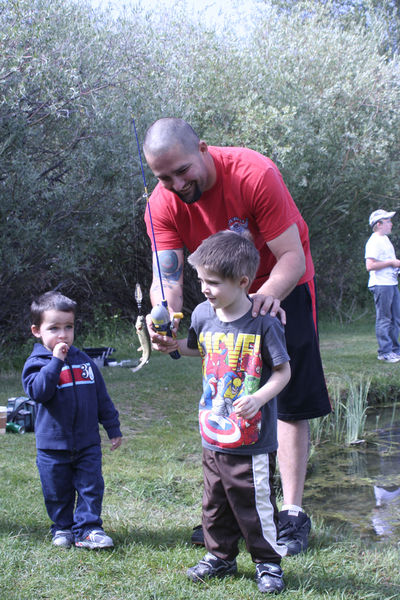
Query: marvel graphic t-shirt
237,359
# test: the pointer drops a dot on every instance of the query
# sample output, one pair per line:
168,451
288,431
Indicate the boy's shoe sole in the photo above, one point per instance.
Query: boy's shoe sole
211,566
269,578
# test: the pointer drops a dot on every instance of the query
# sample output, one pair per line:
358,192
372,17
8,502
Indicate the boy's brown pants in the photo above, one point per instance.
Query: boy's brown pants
239,500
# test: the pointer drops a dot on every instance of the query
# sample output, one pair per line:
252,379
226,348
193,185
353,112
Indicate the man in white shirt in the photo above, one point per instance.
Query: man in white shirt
383,266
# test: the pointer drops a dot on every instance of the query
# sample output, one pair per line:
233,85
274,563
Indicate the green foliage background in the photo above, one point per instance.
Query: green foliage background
314,85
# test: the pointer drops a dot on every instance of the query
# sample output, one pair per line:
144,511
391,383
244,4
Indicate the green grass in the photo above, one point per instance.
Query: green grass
153,499
351,351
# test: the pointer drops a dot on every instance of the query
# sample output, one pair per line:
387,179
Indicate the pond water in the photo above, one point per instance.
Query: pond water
358,487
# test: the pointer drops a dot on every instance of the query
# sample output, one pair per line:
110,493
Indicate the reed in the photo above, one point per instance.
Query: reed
346,423
393,417
356,409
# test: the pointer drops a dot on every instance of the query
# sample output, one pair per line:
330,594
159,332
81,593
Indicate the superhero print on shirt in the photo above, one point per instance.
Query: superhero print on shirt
226,379
229,432
209,390
218,361
251,365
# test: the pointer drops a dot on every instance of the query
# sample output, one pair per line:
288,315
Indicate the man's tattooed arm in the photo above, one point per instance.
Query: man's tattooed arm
171,266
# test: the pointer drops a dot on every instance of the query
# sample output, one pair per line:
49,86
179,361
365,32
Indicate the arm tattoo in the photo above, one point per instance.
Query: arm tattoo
169,264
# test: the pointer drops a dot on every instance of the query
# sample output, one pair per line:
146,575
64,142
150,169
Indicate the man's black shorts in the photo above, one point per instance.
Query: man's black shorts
305,396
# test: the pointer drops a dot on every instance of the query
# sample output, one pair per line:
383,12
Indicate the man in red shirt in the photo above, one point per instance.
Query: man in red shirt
204,189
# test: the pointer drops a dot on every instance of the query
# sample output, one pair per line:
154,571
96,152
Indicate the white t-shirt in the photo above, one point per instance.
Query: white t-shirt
380,247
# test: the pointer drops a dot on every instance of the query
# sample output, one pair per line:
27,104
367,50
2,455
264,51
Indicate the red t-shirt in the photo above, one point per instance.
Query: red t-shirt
249,193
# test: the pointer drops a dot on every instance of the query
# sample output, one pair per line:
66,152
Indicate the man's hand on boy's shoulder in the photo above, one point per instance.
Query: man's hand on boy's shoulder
115,443
60,350
263,304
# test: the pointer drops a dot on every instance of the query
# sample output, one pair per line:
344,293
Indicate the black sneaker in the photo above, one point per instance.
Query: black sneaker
197,536
269,578
211,566
293,531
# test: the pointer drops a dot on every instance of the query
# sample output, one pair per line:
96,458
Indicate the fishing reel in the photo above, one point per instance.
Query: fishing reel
162,323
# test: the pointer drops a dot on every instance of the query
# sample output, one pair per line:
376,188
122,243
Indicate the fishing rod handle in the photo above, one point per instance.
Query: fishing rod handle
162,324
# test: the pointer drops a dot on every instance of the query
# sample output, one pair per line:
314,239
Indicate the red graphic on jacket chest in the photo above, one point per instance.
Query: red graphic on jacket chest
78,374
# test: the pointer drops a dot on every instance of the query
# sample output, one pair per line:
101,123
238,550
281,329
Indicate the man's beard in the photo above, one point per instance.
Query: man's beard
195,197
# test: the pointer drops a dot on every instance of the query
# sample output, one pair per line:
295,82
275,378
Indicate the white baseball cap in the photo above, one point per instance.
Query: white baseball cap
379,214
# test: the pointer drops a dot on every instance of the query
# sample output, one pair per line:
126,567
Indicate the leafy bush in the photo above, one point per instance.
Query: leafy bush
314,87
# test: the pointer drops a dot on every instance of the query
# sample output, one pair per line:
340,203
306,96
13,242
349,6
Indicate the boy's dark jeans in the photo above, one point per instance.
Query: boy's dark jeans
68,476
387,325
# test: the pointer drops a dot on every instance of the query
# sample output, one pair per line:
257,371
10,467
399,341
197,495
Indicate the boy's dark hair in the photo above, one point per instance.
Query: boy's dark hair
229,254
50,301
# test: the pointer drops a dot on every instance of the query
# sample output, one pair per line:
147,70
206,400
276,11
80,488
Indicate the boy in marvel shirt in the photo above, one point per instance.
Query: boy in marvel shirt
245,365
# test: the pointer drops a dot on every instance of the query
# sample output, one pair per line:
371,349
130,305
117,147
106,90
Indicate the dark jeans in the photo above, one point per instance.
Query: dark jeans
69,477
387,325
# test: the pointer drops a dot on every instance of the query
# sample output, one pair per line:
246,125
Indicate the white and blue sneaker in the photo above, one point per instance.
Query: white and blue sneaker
63,538
95,540
390,357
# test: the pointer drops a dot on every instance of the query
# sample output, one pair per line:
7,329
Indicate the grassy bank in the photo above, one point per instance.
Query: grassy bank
351,351
153,499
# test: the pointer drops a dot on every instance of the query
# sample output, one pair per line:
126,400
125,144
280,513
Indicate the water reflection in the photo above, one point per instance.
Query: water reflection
359,486
387,512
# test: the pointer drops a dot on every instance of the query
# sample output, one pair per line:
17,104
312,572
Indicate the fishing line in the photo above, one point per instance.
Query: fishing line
146,196
159,313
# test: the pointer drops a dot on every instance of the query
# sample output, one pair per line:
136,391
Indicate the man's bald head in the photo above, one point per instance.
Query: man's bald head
166,133
179,159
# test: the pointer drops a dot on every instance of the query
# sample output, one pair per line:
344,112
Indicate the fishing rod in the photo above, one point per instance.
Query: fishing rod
159,313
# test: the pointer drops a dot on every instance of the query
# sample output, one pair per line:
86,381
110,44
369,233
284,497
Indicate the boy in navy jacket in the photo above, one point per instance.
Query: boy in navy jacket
72,400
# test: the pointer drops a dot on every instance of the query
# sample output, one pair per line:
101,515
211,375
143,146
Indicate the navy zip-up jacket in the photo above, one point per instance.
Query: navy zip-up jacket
72,400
